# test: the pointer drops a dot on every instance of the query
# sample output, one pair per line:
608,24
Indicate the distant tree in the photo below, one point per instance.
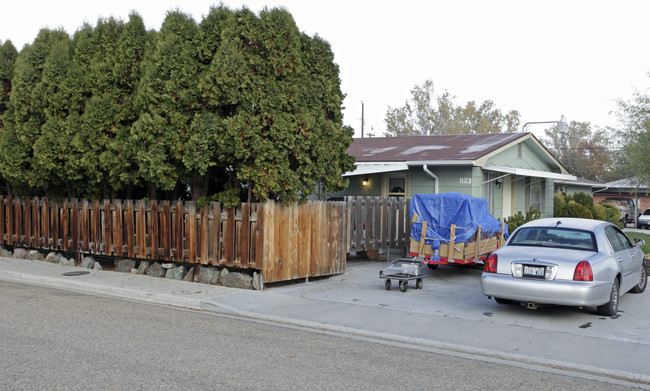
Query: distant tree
583,151
425,114
634,116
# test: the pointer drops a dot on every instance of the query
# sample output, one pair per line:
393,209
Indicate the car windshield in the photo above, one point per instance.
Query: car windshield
573,239
646,212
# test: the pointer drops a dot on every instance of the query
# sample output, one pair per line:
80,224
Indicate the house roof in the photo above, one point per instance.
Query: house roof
627,183
463,147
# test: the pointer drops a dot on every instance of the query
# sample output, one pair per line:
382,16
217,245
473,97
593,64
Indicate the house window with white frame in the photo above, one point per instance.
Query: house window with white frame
397,187
535,192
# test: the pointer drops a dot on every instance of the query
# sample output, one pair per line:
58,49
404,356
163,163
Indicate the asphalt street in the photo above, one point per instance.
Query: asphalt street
449,314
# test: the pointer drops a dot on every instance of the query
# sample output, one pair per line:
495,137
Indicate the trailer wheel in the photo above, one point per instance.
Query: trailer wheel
387,283
403,286
418,283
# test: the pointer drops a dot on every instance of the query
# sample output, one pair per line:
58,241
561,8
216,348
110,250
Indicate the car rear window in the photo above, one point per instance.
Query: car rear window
567,238
646,212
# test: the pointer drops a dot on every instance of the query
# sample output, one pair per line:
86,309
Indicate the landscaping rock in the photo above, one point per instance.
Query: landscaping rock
97,266
256,281
125,265
155,270
189,276
67,262
20,253
87,262
237,280
6,253
52,256
142,268
209,275
35,255
176,273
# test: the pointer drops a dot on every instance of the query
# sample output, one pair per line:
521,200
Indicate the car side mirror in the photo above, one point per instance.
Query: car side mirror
639,242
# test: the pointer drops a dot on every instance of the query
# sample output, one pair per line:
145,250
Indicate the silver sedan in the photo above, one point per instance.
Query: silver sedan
566,261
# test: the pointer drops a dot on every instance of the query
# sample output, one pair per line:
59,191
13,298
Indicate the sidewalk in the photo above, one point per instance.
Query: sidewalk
448,314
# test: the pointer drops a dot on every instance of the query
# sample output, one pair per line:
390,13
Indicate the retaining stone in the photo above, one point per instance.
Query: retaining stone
209,275
237,280
189,276
125,265
155,270
176,273
87,262
142,268
35,255
20,253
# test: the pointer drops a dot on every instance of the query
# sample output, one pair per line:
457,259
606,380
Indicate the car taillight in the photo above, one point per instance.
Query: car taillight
491,264
583,272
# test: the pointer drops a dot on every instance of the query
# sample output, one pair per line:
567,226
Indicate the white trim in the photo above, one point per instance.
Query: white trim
531,173
376,168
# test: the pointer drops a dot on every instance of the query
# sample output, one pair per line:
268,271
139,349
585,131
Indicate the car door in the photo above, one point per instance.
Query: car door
625,255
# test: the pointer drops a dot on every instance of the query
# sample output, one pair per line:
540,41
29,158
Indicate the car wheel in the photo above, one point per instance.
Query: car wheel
502,301
610,308
640,287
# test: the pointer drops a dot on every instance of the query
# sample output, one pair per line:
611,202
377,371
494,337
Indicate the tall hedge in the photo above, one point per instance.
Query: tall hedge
238,106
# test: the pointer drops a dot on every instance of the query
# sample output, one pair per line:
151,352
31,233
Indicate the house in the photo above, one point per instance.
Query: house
513,171
579,185
626,188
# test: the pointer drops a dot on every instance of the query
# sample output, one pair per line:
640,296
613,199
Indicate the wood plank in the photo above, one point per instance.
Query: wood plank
95,223
166,231
3,222
107,228
305,214
245,235
215,238
84,226
55,221
118,237
74,225
178,247
153,230
191,231
129,226
229,239
141,229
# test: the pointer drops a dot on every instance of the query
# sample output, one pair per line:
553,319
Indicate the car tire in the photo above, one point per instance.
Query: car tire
503,301
640,287
610,308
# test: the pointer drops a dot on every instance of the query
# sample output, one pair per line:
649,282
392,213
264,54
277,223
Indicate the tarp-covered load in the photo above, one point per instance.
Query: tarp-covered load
456,227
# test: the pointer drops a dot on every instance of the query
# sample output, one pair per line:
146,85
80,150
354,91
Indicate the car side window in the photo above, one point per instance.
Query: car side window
624,239
613,238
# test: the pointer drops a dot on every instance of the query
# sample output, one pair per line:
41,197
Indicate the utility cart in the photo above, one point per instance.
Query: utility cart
403,270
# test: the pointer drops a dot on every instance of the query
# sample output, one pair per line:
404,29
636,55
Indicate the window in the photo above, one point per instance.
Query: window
535,193
571,239
396,187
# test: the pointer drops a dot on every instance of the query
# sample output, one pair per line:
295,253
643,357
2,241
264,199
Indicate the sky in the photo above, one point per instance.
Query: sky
544,59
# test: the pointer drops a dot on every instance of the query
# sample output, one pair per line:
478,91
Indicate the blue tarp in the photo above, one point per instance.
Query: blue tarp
440,211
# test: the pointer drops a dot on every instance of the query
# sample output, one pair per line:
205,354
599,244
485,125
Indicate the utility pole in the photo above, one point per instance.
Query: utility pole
361,119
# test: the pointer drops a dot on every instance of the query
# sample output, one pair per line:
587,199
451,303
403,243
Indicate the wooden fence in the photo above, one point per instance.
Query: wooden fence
377,222
283,243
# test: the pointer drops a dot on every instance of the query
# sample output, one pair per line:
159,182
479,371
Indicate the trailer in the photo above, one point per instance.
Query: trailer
453,228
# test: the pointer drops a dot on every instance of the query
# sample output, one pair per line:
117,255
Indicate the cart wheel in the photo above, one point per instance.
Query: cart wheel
418,283
387,283
403,286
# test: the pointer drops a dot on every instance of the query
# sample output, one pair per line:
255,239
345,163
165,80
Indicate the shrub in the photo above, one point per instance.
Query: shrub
516,220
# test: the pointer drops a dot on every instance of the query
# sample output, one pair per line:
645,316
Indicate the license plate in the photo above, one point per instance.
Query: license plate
534,271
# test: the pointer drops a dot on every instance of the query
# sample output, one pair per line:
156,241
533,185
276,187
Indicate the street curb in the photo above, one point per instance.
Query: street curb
560,367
